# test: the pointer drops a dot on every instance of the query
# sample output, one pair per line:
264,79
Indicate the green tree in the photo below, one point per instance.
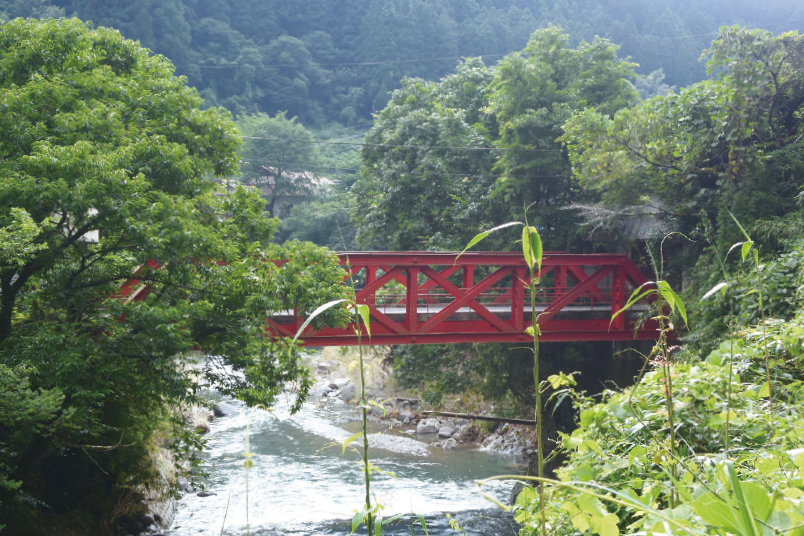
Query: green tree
279,157
106,172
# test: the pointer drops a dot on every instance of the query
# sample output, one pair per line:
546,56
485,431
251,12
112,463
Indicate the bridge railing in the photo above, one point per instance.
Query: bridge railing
433,297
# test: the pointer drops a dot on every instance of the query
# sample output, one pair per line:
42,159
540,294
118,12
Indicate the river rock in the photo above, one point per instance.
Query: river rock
449,444
182,483
320,392
428,426
206,493
342,382
446,431
222,409
461,422
324,366
348,392
404,416
146,520
151,529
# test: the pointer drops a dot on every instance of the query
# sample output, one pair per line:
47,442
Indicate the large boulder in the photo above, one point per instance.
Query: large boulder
446,431
428,426
348,392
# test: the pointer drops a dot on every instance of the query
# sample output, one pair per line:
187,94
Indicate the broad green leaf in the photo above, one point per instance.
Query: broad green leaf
321,309
720,286
351,439
532,247
606,525
716,512
358,519
378,526
480,236
765,391
365,314
746,249
581,522
526,496
757,497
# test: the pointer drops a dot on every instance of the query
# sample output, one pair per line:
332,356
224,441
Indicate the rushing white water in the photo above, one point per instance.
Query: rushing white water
302,483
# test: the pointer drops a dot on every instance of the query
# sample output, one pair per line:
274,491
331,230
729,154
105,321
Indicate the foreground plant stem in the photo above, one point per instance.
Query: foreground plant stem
540,453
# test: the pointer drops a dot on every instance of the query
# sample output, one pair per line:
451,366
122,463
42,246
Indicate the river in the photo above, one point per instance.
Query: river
302,483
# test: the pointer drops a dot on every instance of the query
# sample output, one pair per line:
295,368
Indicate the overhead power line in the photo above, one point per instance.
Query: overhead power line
415,173
404,146
450,58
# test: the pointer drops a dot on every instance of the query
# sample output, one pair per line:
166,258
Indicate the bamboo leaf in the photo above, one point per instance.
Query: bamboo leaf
365,314
378,526
633,299
532,247
424,525
358,519
746,515
377,404
682,310
480,236
321,309
745,234
746,249
720,286
350,440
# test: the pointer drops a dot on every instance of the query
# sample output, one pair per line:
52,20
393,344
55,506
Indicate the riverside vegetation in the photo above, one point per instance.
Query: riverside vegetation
100,135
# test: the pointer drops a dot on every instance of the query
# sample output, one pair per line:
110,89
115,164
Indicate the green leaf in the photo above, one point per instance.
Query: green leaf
423,524
365,314
745,234
532,247
358,519
321,309
378,526
746,249
765,391
716,512
480,236
350,440
720,286
378,405
635,297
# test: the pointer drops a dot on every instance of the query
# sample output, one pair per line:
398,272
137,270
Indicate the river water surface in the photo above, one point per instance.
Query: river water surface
302,483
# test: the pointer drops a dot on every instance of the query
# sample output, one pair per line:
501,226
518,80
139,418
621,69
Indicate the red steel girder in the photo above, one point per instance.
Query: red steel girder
422,317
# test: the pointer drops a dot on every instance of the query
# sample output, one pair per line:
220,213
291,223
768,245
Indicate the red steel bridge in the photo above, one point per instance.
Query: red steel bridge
434,298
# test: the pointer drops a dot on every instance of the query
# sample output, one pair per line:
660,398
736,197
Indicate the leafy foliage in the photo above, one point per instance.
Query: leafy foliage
106,173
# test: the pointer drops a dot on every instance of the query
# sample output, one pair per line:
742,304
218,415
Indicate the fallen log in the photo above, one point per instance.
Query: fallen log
471,417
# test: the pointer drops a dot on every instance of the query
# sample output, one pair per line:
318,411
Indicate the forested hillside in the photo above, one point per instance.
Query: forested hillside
336,61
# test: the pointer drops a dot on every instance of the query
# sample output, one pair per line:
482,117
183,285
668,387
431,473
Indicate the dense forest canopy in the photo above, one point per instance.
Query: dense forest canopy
316,59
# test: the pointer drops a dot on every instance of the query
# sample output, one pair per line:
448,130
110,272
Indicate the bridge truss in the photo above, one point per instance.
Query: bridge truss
436,298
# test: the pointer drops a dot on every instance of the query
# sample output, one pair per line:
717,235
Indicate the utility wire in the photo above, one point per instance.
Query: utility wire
404,146
439,174
451,58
